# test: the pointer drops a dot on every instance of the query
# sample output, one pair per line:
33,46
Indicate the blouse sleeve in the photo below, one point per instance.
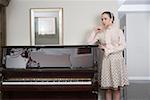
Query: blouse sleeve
120,45
93,38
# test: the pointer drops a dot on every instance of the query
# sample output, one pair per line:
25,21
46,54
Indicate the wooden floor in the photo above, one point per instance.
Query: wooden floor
49,96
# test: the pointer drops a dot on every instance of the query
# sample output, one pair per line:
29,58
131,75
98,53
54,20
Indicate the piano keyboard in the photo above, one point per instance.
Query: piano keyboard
47,83
60,81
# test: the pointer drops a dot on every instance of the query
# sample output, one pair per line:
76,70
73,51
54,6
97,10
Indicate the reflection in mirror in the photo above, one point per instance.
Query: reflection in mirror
46,26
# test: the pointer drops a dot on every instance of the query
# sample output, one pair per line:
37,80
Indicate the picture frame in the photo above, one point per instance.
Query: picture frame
46,26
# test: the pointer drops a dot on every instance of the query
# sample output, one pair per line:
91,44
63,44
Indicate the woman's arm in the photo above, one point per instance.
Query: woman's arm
121,42
92,38
119,46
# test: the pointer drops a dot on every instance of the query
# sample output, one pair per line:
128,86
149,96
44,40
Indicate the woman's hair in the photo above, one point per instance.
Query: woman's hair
111,15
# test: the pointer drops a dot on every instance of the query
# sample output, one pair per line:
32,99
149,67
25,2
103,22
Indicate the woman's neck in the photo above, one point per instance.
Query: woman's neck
108,26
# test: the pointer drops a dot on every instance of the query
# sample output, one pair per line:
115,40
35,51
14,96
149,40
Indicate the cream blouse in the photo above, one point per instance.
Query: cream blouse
112,39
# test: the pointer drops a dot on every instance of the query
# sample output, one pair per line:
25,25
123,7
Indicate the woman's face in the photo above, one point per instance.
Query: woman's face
106,20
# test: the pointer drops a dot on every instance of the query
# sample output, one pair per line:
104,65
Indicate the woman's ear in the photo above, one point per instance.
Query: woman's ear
111,20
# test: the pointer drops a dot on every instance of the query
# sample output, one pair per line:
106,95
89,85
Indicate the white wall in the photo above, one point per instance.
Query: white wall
137,28
79,18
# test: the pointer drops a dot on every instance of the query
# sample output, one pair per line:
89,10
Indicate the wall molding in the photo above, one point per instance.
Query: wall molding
135,8
139,78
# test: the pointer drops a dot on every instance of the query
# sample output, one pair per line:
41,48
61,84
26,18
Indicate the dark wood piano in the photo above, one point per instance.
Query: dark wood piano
69,70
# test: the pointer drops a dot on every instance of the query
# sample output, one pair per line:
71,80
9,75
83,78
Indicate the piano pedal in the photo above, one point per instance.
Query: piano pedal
95,92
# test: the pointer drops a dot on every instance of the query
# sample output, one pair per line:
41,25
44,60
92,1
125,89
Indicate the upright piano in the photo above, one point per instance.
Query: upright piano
66,68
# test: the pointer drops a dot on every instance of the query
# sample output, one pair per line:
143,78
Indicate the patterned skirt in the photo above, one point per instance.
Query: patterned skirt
113,71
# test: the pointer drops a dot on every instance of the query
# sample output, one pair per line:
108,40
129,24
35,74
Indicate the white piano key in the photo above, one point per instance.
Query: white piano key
47,83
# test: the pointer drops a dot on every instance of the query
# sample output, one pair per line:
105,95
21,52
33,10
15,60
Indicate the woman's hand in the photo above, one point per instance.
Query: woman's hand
102,47
98,29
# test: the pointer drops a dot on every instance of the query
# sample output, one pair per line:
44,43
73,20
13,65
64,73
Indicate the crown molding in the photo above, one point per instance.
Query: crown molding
135,8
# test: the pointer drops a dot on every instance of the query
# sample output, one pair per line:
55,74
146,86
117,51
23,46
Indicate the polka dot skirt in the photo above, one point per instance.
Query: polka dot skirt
113,71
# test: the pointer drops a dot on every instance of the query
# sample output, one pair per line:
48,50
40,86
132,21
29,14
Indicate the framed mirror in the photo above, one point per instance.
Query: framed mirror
46,26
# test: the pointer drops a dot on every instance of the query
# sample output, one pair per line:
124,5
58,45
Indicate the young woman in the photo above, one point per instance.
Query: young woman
111,42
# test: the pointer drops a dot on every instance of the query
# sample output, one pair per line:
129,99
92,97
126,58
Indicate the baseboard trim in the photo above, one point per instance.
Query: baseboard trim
139,79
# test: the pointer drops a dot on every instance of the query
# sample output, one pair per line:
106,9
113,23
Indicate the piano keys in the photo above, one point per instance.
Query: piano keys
48,81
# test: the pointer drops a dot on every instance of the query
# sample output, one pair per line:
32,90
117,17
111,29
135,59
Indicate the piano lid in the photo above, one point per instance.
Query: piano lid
50,46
